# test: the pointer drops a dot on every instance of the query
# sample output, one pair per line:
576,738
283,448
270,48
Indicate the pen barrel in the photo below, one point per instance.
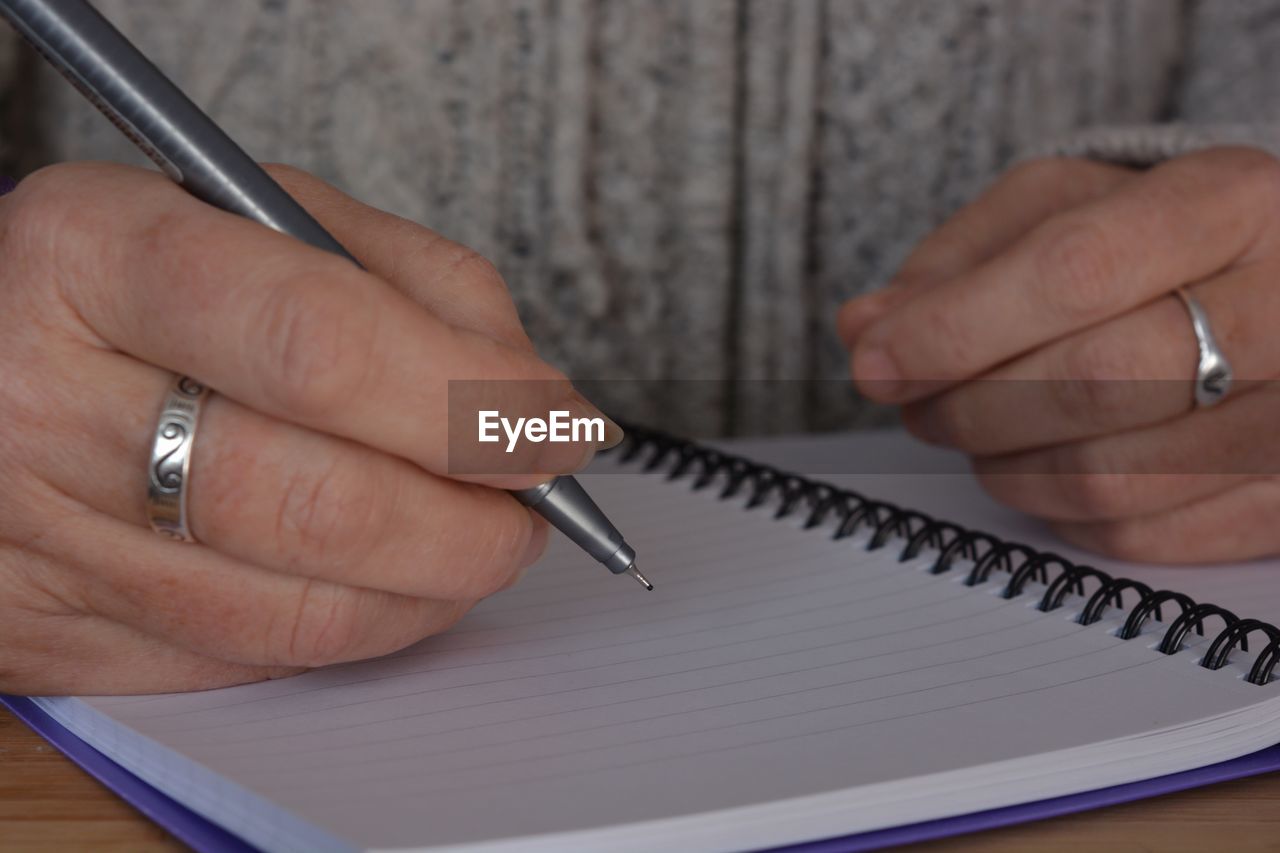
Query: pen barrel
567,506
140,100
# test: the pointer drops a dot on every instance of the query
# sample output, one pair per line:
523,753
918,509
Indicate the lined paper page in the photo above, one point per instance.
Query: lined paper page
771,663
940,481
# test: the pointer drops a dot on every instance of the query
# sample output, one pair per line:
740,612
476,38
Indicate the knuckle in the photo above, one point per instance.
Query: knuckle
943,420
1102,495
69,203
495,556
164,238
1250,164
331,511
325,627
455,262
1008,487
492,298
331,624
316,350
1096,380
1094,356
937,257
1121,540
1256,173
479,271
952,340
58,180
472,269
1041,174
1094,488
1076,268
37,211
229,473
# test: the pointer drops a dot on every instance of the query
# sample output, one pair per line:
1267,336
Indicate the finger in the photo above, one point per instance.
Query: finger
1143,471
284,328
193,597
45,655
1024,197
1238,524
456,283
1020,200
1133,371
95,656
50,645
286,498
1180,222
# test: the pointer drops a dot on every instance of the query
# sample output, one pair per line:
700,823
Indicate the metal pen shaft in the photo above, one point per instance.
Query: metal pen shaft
192,150
567,506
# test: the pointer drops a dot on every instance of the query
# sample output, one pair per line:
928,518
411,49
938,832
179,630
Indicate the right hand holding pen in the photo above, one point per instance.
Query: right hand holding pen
329,526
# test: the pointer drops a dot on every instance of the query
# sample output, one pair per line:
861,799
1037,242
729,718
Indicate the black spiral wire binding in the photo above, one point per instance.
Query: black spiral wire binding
1150,604
853,512
1112,592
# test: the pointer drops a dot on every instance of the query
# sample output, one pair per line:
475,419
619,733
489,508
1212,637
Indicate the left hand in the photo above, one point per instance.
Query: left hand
1062,278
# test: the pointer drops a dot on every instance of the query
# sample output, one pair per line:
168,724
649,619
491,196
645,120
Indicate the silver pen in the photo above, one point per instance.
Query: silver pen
192,150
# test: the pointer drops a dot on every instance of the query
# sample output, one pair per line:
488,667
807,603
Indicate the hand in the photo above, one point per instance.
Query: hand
330,529
1038,331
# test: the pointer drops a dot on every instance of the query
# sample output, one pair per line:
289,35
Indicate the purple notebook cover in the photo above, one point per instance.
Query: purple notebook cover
207,837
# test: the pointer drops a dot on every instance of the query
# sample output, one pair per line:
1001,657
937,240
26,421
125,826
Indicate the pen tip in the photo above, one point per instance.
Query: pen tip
635,573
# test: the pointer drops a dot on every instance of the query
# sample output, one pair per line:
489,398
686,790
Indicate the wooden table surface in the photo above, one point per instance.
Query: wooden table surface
49,804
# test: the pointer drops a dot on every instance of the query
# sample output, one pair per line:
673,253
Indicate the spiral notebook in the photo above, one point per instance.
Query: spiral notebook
814,664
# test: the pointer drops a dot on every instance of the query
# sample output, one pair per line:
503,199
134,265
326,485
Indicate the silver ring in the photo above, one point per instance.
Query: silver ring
1213,371
169,471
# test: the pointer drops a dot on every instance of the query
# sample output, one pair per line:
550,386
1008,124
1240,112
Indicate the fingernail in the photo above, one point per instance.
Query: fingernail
571,456
884,297
876,373
872,304
556,458
613,434
861,312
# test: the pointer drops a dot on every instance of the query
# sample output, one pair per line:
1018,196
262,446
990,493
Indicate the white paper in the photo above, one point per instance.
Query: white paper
777,686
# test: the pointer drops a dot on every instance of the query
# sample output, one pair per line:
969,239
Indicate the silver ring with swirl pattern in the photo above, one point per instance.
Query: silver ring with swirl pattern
169,471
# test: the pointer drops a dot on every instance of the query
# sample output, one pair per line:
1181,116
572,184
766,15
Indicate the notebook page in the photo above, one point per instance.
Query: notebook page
771,664
891,465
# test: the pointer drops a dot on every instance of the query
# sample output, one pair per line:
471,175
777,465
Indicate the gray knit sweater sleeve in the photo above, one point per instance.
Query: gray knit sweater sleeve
1146,145
1227,91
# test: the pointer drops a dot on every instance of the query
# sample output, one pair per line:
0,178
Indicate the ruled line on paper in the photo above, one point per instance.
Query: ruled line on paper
415,793
367,742
643,618
595,647
841,643
893,714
